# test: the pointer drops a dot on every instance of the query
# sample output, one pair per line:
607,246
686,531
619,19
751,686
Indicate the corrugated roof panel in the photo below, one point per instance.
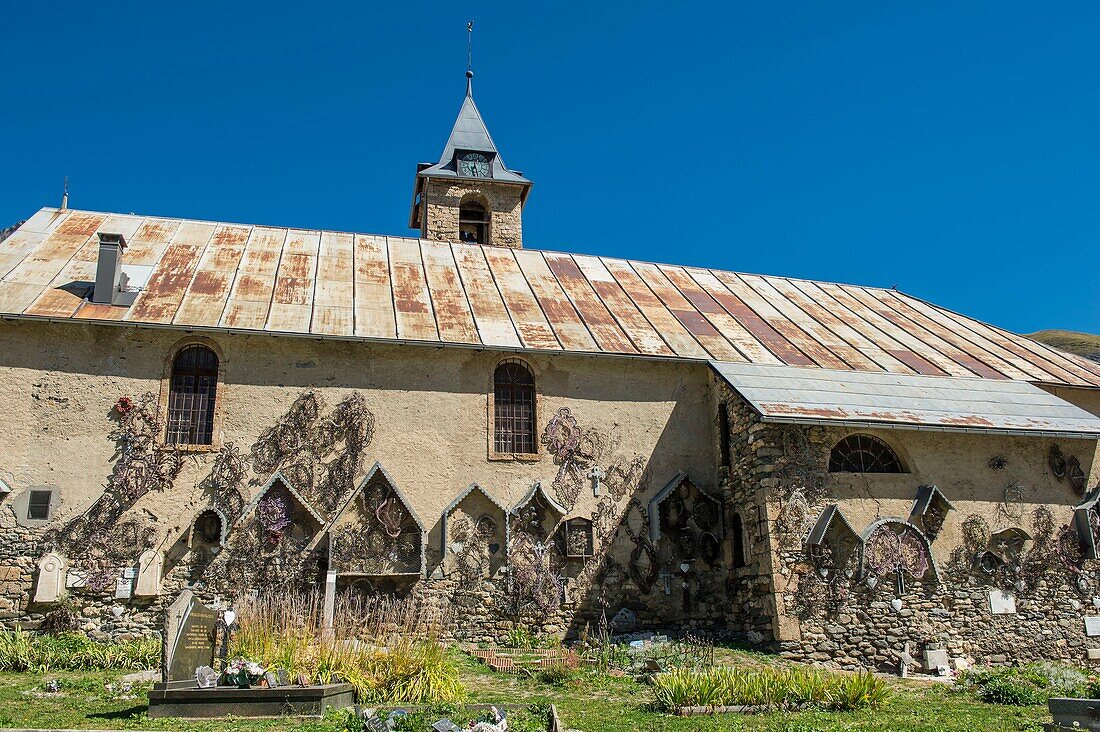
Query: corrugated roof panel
798,336
524,309
15,297
302,242
452,312
250,315
374,309
64,295
671,329
335,276
121,224
44,221
733,330
1002,360
330,283
494,324
737,309
16,247
93,311
571,331
1064,368
607,333
951,359
868,343
289,318
619,304
822,396
166,287
332,321
157,231
861,339
848,317
411,299
80,223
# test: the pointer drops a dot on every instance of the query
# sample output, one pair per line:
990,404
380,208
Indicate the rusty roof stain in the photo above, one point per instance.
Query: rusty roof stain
214,275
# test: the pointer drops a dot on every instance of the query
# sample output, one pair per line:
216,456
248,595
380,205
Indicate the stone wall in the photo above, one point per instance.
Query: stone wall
825,610
442,199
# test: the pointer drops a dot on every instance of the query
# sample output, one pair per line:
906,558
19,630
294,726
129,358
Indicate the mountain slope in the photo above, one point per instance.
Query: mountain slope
1083,344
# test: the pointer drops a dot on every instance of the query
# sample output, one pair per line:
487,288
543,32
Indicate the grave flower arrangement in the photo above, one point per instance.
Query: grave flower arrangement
242,673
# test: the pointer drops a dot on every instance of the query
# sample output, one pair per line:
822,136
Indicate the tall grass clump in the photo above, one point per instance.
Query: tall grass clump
385,648
768,688
22,651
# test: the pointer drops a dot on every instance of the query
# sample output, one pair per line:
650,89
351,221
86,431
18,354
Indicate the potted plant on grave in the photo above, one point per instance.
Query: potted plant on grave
242,673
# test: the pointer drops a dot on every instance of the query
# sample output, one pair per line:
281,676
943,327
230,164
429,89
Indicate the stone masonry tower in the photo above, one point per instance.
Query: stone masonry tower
469,195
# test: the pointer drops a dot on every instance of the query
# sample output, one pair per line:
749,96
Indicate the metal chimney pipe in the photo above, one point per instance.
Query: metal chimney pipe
108,271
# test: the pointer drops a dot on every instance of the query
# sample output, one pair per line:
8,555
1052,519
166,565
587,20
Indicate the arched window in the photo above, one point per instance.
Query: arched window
191,395
514,408
864,454
473,223
737,536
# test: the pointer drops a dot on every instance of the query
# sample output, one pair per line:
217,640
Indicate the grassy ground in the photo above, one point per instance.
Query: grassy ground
593,703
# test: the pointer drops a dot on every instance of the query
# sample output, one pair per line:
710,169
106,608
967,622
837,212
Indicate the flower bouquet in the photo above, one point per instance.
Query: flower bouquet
242,673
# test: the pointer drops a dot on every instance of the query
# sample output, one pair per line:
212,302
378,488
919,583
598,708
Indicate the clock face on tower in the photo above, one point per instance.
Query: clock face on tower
473,165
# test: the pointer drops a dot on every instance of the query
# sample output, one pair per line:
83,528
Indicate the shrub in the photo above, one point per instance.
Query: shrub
556,675
63,618
768,688
21,651
1025,685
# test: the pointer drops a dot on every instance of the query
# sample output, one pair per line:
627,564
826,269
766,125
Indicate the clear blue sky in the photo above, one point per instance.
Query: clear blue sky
948,148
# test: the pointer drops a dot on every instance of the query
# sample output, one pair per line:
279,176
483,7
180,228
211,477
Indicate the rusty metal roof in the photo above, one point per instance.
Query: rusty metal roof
233,277
794,395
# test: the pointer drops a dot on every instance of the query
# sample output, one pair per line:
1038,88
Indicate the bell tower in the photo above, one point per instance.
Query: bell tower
469,195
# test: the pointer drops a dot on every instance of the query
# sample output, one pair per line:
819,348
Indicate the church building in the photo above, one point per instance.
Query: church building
531,438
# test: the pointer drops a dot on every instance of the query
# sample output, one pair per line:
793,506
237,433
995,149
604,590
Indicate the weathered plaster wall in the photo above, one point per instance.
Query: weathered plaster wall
60,383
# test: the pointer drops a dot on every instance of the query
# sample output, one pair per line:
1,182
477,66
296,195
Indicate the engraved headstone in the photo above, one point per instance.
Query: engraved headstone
150,566
51,578
188,637
124,584
933,660
1092,625
1002,602
271,680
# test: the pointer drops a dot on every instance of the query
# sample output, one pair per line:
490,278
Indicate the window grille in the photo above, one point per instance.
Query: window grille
864,454
514,408
191,396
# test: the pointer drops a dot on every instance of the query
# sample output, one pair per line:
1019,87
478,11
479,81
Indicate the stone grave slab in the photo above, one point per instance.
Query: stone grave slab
1092,625
1002,602
189,630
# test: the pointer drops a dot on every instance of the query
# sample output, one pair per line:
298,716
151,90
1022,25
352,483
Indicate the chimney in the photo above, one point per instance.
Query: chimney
109,279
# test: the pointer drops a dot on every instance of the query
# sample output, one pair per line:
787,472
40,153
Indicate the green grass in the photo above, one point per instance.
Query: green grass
588,701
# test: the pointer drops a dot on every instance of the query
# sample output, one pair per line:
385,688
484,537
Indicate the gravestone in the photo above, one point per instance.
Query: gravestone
188,638
51,578
124,583
1092,625
625,620
936,659
1002,603
150,567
